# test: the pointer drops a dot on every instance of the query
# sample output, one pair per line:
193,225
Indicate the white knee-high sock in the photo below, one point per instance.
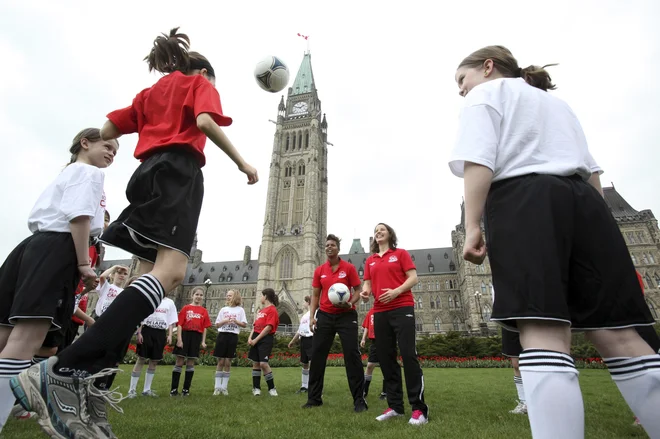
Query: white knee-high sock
519,387
638,380
9,368
554,400
225,382
148,379
218,379
305,378
135,377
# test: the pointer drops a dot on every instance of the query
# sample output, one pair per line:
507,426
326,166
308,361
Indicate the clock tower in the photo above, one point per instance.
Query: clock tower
295,221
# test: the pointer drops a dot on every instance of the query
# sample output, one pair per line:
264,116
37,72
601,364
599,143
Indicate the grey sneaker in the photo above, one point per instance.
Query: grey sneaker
96,403
61,403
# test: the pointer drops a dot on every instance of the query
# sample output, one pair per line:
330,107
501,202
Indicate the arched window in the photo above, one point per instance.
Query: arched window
419,303
486,313
483,288
293,145
457,301
252,308
286,265
286,148
438,302
647,277
432,302
451,302
456,323
419,324
306,139
651,258
634,259
437,324
446,285
645,259
299,140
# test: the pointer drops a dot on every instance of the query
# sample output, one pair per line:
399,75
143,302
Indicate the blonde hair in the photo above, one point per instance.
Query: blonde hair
237,300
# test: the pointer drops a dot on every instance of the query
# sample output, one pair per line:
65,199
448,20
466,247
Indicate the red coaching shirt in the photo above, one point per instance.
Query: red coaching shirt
368,324
165,115
324,278
265,317
389,271
194,318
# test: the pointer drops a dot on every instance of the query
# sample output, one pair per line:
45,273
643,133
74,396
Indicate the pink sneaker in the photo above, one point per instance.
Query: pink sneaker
636,423
387,414
418,418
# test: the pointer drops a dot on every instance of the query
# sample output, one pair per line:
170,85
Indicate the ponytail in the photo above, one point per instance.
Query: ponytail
271,296
538,77
170,53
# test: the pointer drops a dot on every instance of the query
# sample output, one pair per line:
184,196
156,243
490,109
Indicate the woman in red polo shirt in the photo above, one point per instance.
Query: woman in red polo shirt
261,341
330,320
191,332
389,275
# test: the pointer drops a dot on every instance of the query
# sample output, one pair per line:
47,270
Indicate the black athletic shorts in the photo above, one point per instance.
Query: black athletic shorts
556,253
650,336
153,343
38,280
191,342
373,355
225,345
511,346
260,352
165,195
306,344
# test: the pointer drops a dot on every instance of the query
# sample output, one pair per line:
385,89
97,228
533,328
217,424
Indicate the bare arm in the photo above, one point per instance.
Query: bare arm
83,316
109,131
594,180
477,180
355,298
212,130
366,290
313,306
80,234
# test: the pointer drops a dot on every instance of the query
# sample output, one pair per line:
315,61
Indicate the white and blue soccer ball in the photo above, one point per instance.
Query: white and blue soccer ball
272,74
339,293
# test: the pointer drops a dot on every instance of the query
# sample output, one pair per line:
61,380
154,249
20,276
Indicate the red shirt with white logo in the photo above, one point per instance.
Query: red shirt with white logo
265,317
389,271
324,278
194,318
368,324
165,115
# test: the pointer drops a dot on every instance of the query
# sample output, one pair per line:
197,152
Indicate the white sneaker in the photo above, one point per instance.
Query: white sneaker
521,409
272,392
418,418
387,414
131,394
19,412
256,392
216,391
224,391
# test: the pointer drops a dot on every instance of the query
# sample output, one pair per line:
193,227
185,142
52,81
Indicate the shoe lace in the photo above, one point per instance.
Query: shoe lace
111,397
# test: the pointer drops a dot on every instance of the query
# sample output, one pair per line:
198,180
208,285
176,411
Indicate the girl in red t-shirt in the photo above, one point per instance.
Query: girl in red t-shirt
172,118
389,275
191,332
261,341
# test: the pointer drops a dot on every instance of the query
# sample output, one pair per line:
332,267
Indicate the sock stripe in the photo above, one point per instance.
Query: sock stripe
268,376
176,369
517,380
150,372
305,371
545,360
135,374
629,367
256,373
151,288
367,377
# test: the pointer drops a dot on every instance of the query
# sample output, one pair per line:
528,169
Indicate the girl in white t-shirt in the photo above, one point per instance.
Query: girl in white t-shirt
152,337
557,256
229,322
39,277
111,283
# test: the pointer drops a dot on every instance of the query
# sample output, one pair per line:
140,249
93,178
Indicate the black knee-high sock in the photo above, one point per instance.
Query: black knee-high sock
102,341
190,371
270,381
256,378
367,383
176,377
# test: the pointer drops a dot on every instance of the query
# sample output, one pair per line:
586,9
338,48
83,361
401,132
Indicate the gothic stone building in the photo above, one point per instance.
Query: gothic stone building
452,295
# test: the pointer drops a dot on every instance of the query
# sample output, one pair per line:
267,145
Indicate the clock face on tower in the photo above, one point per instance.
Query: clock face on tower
300,108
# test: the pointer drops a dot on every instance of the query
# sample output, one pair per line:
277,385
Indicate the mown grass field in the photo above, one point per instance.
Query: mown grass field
464,403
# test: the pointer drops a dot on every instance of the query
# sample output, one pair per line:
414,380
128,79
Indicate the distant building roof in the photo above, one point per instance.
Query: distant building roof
227,272
427,261
304,82
356,246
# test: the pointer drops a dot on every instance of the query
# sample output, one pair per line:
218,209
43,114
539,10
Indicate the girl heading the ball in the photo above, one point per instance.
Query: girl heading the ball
172,118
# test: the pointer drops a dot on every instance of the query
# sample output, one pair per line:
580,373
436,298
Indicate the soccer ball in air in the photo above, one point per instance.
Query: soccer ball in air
272,74
339,293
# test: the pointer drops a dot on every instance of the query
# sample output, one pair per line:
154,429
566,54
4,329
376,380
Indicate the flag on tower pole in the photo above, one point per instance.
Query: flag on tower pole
306,37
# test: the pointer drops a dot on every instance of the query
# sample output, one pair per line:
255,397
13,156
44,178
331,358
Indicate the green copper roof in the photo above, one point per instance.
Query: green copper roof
304,82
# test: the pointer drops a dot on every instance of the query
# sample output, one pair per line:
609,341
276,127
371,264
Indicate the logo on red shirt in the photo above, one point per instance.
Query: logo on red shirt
342,274
393,259
192,315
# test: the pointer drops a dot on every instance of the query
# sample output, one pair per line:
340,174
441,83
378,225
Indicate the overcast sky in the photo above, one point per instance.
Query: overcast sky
384,73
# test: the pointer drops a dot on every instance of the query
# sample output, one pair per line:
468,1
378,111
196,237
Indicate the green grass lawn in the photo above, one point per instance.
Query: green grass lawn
464,403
